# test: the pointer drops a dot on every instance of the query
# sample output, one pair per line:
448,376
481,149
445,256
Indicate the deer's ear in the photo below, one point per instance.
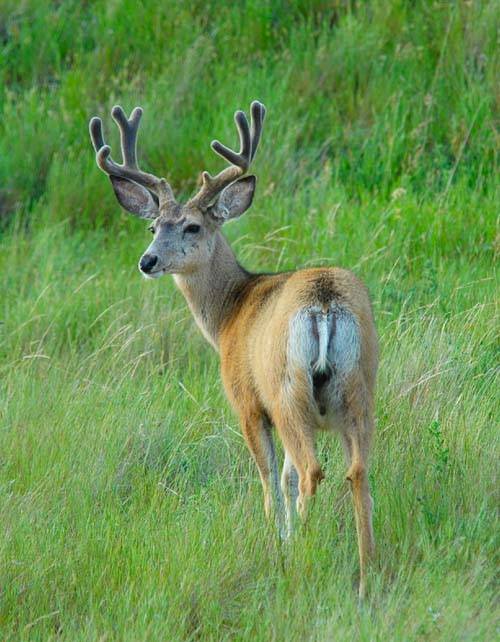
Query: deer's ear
135,198
234,200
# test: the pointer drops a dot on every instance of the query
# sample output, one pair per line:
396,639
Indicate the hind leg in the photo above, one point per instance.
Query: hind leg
358,428
298,440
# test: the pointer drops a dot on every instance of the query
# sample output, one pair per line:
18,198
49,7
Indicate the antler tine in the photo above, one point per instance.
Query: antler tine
240,161
258,113
129,169
128,133
95,129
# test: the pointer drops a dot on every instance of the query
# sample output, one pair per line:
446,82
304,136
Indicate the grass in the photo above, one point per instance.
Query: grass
130,507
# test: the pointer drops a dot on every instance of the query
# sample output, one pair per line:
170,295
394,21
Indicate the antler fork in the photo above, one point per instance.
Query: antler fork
128,137
240,161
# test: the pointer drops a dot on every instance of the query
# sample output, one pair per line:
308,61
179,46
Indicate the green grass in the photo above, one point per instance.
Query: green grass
130,507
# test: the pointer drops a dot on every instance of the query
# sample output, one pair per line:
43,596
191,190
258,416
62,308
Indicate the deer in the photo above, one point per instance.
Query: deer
298,350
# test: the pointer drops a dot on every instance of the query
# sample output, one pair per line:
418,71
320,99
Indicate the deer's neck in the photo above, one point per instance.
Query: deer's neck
210,292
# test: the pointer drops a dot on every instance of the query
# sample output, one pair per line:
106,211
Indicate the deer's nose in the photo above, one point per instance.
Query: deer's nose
147,262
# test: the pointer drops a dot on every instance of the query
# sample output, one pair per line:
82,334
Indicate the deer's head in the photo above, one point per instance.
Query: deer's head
183,233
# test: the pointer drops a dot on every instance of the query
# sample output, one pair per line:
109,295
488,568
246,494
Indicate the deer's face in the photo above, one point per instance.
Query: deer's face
184,235
182,243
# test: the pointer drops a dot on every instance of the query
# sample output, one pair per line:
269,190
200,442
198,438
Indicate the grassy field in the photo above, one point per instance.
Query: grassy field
130,508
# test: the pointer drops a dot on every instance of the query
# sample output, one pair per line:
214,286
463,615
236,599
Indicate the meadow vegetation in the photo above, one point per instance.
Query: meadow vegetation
130,507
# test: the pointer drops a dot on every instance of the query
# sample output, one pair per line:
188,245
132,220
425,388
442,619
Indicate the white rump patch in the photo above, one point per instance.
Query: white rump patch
324,341
345,348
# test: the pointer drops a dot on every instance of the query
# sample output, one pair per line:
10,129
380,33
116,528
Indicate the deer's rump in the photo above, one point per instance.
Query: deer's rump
306,338
323,350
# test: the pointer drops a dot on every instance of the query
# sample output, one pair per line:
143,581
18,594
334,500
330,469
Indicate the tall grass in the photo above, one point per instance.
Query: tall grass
130,507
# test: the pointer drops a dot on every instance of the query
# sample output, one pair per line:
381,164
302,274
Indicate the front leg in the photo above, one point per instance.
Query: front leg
258,436
290,488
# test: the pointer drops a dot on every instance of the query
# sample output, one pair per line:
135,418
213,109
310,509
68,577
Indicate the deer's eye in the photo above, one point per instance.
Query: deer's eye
151,229
192,229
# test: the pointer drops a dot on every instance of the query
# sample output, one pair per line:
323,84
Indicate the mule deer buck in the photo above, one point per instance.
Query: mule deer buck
298,350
